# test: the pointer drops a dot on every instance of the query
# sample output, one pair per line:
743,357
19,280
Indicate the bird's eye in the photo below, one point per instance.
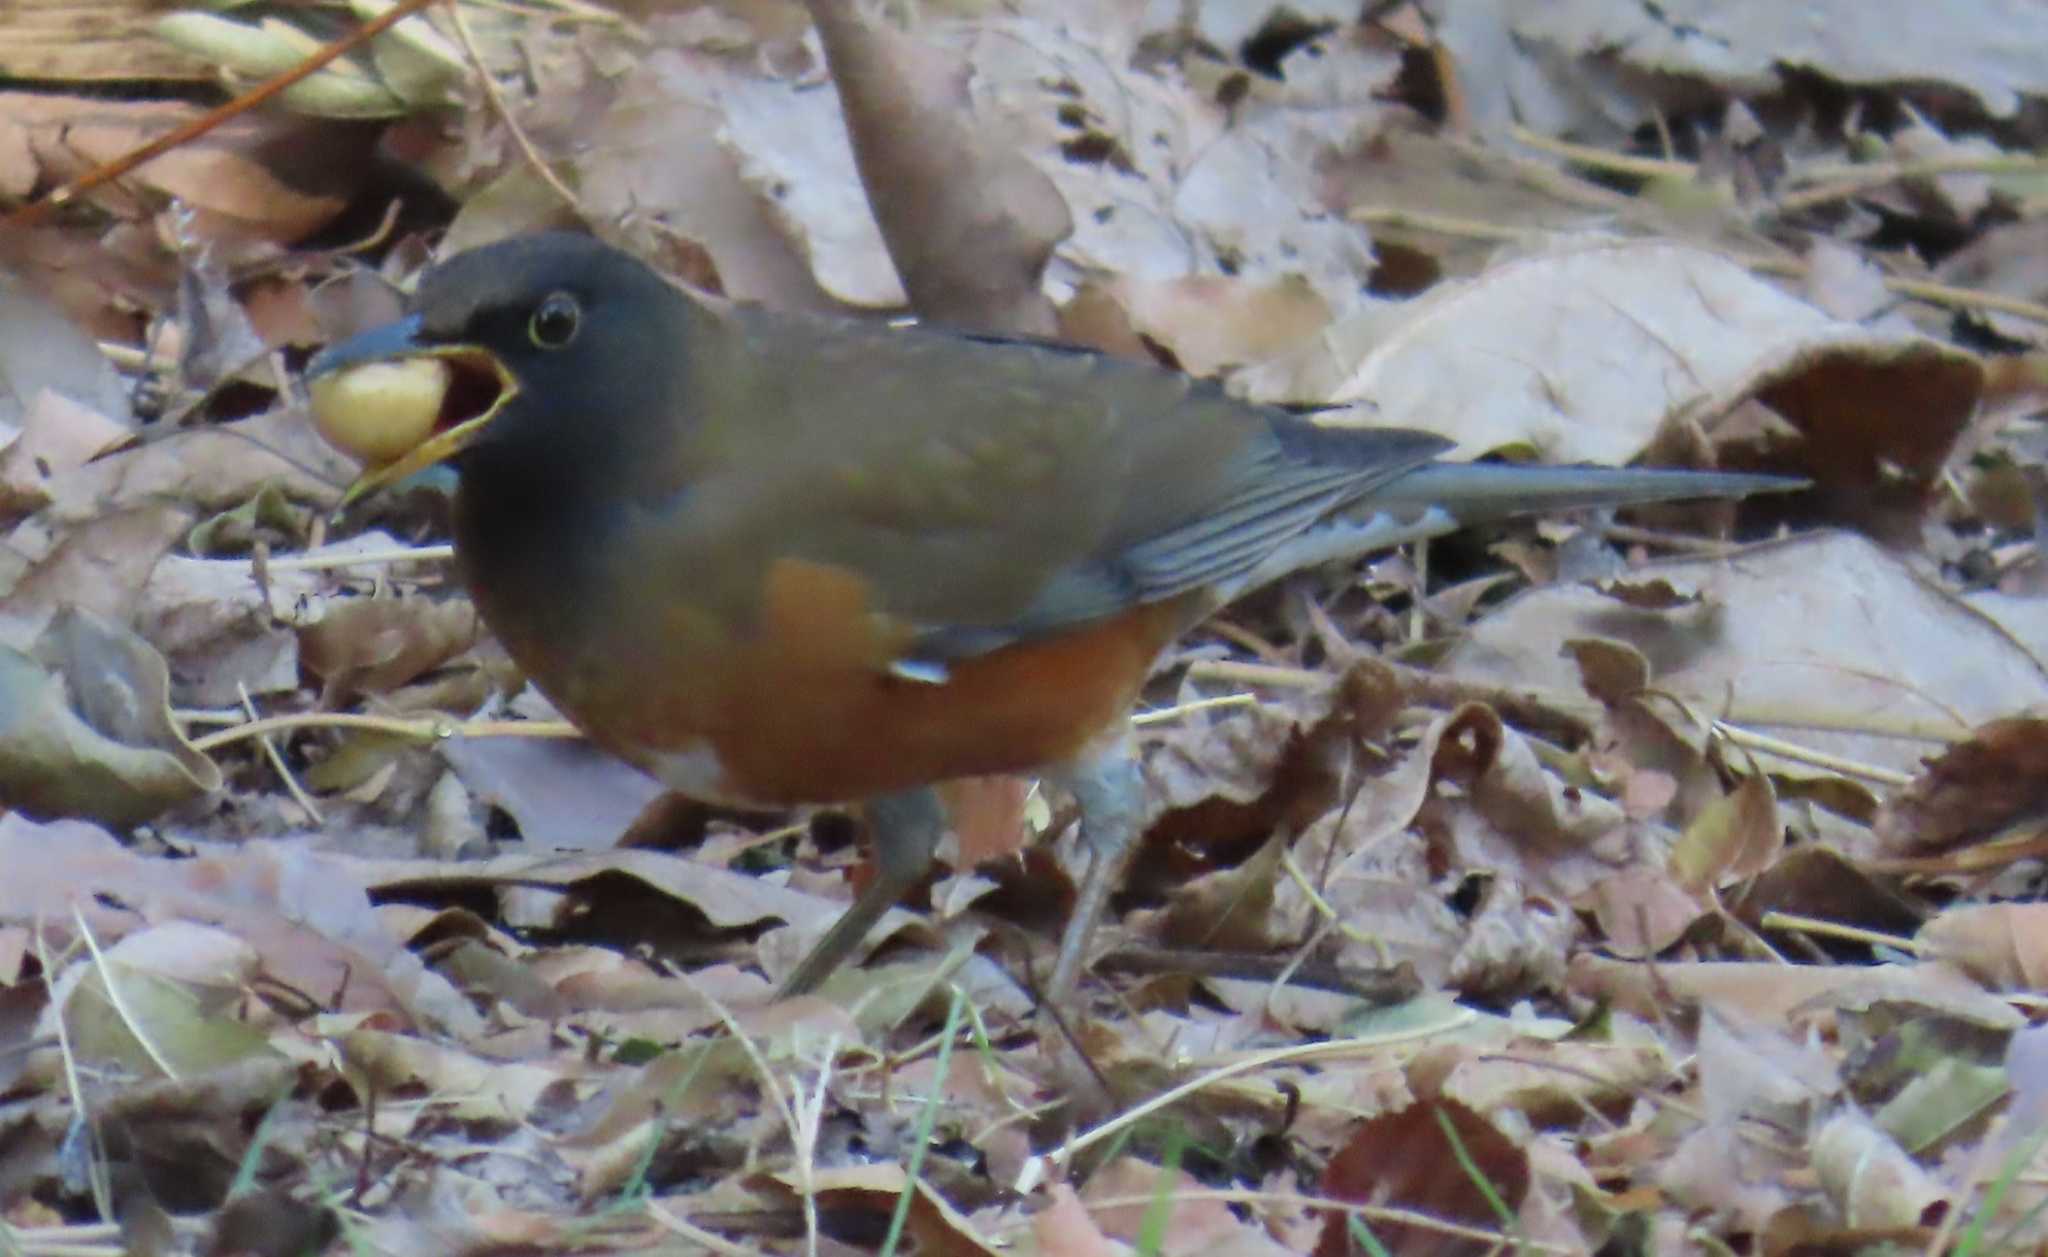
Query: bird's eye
555,321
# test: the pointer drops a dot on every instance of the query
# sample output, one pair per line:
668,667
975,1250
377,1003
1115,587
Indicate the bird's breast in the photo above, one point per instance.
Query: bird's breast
797,703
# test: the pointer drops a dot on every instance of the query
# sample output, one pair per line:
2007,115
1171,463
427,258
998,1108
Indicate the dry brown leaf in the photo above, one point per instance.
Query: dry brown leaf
1824,884
214,468
934,1225
1740,1185
1229,910
1752,46
1233,756
373,645
1372,870
224,176
468,1086
101,565
726,900
1641,911
1733,839
793,154
660,150
1550,1080
1506,813
1405,1160
1515,946
1613,672
1990,785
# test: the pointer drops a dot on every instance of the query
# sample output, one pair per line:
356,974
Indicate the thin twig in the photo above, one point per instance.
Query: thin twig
276,758
1605,159
418,728
1165,715
1781,749
504,112
368,558
1258,674
1796,924
1328,912
118,1000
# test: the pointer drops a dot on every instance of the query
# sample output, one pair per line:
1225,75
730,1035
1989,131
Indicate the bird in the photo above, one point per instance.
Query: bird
778,559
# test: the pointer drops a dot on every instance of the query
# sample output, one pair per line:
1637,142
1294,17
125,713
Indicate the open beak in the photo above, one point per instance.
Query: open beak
402,404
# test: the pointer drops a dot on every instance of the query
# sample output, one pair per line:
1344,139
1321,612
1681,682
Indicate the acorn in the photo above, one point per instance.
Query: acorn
380,411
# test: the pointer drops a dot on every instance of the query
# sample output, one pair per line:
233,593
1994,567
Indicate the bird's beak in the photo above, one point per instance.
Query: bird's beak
402,404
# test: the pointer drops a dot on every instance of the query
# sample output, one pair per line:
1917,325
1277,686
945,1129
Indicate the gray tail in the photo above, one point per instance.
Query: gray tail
1437,498
1474,492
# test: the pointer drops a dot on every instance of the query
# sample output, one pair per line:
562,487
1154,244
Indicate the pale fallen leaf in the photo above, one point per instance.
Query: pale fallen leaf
164,1000
1641,910
793,153
1507,814
85,728
2003,945
1871,1180
1898,656
726,899
1213,322
1592,351
306,915
56,435
1751,46
563,793
1760,991
212,468
1516,944
40,349
658,150
469,1086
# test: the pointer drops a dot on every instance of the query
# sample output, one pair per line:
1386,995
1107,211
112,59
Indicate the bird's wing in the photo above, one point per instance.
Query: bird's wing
1052,487
1280,490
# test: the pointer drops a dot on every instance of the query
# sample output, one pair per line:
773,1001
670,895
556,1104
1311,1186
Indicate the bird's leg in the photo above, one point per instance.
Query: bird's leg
906,827
1110,793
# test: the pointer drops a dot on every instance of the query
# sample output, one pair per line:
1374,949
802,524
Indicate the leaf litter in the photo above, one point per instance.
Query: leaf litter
1655,884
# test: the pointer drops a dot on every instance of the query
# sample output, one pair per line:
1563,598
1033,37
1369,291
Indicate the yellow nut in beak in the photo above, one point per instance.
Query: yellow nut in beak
380,411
